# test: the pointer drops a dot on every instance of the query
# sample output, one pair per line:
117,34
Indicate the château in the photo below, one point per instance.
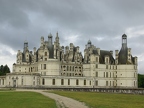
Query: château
55,66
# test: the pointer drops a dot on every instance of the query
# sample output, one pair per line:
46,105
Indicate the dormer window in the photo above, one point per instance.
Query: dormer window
45,53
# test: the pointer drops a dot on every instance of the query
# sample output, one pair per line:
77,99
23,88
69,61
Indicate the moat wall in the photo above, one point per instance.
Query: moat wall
138,91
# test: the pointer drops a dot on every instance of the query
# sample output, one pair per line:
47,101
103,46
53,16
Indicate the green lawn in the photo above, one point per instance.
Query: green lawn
13,99
106,100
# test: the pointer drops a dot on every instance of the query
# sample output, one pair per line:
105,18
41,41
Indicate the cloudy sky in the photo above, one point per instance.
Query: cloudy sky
77,21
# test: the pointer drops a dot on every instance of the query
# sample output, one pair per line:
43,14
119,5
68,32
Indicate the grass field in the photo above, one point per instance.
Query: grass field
13,99
106,100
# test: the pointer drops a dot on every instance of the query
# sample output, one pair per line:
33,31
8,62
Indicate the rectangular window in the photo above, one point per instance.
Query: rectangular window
3,81
135,67
107,74
53,81
22,81
44,73
84,82
96,65
96,59
96,74
62,81
45,59
106,83
43,81
96,83
68,81
106,66
33,82
41,66
90,82
106,60
44,66
77,82
70,68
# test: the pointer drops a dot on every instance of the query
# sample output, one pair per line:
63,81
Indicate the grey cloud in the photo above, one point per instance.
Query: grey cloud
22,20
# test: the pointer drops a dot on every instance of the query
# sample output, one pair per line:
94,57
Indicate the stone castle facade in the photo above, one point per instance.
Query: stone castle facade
56,66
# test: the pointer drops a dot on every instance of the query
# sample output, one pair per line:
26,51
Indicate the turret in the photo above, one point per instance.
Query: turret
135,60
77,48
42,41
57,38
71,47
129,55
25,46
89,43
98,50
124,41
66,50
116,56
106,59
50,39
123,55
111,52
34,50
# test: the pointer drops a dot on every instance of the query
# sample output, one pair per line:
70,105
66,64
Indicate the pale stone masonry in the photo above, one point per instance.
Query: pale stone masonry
53,65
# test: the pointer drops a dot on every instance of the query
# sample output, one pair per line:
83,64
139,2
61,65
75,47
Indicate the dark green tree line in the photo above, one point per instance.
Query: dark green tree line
4,69
140,81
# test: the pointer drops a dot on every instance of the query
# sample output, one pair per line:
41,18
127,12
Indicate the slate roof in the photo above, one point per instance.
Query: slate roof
104,53
122,56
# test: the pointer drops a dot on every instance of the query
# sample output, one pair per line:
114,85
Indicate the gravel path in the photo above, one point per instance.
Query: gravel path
61,101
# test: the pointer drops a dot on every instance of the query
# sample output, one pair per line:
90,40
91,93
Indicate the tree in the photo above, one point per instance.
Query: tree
4,70
140,81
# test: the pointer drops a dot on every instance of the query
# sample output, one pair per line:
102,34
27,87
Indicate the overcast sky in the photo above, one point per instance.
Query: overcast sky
77,21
